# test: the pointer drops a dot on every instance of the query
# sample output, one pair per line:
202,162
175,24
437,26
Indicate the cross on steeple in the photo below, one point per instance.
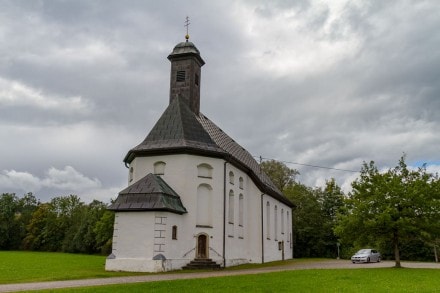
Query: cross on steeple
187,23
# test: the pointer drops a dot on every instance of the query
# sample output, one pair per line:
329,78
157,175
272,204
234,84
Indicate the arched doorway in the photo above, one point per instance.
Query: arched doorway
202,246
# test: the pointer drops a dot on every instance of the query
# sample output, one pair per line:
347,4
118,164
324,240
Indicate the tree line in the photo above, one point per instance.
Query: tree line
396,211
65,224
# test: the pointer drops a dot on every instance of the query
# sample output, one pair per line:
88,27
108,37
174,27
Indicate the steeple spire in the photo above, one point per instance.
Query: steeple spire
186,64
187,23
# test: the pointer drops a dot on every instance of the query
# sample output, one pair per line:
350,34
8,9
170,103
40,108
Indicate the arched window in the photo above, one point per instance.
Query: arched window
174,233
231,177
231,207
276,223
204,171
204,205
268,220
159,168
240,210
240,182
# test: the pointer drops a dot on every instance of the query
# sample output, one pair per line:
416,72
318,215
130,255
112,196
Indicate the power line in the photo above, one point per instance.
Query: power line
307,165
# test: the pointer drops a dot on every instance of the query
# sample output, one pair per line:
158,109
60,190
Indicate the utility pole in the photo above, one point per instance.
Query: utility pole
338,244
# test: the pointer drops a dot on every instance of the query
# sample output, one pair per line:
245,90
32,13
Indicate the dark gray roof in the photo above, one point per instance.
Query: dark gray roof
242,157
185,49
150,193
179,130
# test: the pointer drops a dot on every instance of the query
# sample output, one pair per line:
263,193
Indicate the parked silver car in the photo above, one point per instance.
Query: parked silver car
366,255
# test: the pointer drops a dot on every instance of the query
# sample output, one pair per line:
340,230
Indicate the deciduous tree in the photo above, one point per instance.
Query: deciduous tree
391,207
281,175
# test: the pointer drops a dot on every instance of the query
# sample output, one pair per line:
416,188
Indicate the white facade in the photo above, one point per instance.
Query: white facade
211,201
234,219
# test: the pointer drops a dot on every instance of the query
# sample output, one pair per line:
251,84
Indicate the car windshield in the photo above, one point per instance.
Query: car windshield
362,251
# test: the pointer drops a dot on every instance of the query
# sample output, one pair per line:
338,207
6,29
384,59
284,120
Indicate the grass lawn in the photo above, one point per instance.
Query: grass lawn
26,266
16,267
341,280
20,266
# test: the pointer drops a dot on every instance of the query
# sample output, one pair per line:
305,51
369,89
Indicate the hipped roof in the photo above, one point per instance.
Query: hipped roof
179,130
150,193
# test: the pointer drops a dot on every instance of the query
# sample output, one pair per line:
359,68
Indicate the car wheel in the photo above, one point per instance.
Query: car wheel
378,259
368,259
353,262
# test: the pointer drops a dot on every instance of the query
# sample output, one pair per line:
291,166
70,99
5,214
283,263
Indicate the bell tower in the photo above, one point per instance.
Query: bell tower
186,64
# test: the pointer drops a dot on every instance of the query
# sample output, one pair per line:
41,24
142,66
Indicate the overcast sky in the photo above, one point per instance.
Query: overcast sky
326,83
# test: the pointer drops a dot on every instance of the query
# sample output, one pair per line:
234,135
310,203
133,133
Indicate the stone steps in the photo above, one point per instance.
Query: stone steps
202,264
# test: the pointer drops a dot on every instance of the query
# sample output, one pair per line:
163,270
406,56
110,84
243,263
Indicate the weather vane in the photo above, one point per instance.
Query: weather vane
187,23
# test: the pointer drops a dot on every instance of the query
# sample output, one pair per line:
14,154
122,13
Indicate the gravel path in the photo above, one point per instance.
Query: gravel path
323,264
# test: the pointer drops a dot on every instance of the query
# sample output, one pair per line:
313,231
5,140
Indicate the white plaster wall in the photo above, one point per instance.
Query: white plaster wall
241,242
249,247
182,175
132,235
135,231
253,222
271,248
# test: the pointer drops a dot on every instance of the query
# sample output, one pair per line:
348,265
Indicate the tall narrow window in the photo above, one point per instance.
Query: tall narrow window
180,76
130,175
282,221
231,177
276,222
240,210
240,182
231,208
196,79
174,233
268,220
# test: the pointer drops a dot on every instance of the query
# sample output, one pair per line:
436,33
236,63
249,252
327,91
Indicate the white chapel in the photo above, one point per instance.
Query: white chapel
195,197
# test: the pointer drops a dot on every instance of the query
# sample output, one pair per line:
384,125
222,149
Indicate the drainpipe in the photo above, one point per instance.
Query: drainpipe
262,230
224,214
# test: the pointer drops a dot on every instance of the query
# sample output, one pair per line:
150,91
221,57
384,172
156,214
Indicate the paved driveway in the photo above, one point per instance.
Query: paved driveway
322,264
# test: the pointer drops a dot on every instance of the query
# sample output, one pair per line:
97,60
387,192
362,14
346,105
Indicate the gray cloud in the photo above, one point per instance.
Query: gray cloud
330,84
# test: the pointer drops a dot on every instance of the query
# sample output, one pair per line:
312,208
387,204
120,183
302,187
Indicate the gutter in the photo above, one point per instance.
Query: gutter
262,230
224,214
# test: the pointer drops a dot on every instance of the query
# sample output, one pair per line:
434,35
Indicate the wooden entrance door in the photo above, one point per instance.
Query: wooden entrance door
202,246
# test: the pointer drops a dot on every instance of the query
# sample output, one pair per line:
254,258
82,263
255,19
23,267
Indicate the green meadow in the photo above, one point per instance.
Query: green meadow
342,280
20,267
16,267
